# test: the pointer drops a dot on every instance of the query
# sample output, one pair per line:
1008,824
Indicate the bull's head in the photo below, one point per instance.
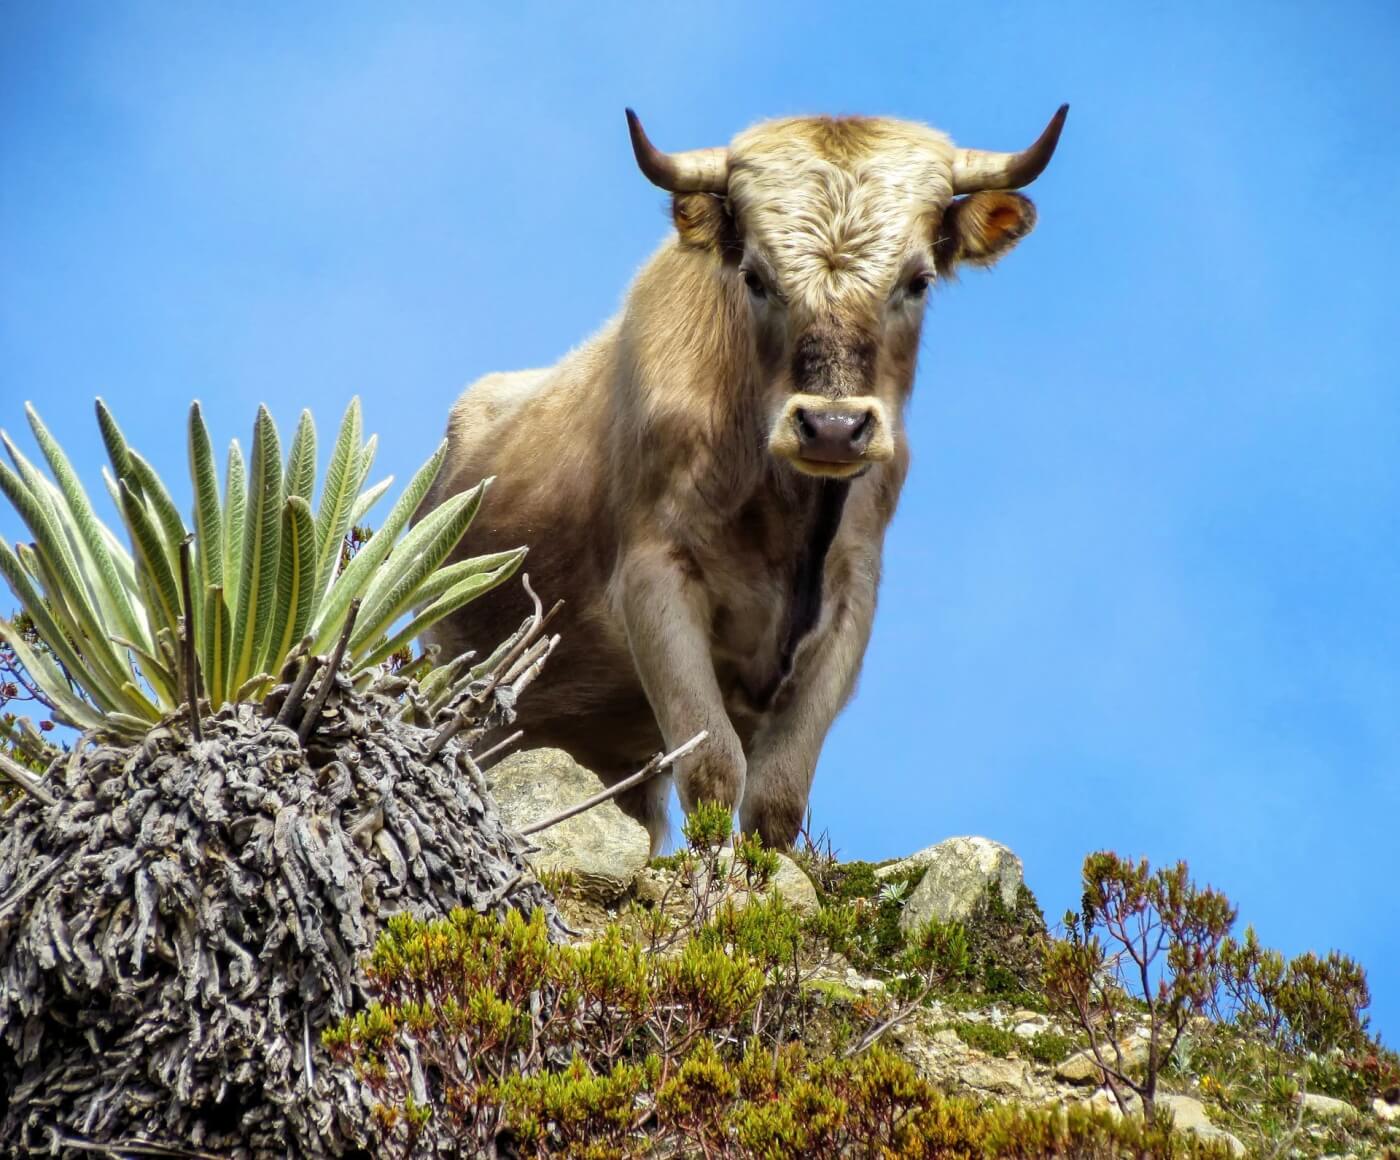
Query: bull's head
834,230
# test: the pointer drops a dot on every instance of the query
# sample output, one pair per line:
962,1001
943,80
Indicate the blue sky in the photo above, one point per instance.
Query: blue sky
1141,590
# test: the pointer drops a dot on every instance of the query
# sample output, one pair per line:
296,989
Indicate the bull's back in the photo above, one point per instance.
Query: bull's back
539,433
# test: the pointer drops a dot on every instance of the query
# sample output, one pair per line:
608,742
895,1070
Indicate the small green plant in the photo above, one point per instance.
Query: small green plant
989,1038
219,605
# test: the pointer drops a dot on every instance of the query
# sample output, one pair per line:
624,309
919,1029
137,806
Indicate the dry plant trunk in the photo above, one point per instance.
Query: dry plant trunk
184,919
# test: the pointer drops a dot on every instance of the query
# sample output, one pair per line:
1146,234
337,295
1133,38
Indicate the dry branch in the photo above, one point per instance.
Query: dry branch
646,773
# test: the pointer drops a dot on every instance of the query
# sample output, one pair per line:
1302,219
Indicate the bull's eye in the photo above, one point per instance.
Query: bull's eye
755,284
918,286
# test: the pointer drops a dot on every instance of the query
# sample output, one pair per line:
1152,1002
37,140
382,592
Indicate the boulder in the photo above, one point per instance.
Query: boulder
1322,1107
958,873
1189,1115
789,883
995,1076
1081,1068
601,850
1385,1110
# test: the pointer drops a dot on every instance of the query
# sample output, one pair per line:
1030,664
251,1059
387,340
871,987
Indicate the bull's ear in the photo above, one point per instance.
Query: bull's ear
704,222
981,227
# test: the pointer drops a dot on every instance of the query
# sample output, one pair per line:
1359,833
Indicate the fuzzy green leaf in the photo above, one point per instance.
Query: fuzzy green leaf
208,517
235,505
262,533
117,448
111,591
412,561
296,581
152,563
301,460
68,708
357,575
215,641
338,496
464,593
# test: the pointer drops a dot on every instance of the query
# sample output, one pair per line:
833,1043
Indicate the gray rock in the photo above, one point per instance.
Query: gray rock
789,883
1189,1115
999,1077
1326,1107
959,871
1104,1100
602,849
1385,1111
1081,1068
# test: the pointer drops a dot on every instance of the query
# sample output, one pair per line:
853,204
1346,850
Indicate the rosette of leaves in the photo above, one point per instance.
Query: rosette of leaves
183,908
257,574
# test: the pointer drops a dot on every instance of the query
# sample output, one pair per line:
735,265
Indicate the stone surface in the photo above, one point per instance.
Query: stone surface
1327,1107
602,849
995,1076
1104,1100
1385,1111
1081,1068
959,871
1189,1115
789,883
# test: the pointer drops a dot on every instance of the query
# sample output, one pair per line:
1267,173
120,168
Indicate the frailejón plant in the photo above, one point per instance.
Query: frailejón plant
258,575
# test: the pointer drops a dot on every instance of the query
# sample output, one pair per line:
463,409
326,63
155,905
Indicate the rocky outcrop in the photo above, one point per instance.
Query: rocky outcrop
1189,1116
957,875
601,851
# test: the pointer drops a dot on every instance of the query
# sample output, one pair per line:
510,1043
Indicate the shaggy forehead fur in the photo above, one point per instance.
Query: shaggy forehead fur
838,205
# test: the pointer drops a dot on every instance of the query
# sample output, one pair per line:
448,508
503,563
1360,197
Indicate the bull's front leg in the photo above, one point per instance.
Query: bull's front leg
783,753
667,615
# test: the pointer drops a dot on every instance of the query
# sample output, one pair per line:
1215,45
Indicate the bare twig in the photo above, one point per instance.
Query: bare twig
132,1148
900,1014
189,663
313,712
297,693
24,779
646,773
504,743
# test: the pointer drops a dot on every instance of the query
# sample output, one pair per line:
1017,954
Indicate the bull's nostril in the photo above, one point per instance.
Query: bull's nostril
862,428
804,426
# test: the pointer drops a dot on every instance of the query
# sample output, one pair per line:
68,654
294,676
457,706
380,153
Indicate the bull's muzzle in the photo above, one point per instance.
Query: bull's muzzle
832,437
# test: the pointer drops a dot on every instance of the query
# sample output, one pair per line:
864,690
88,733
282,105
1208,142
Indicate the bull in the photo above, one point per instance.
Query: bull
707,481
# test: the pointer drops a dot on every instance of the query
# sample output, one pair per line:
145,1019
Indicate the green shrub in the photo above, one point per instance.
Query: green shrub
1049,1047
989,1038
534,1049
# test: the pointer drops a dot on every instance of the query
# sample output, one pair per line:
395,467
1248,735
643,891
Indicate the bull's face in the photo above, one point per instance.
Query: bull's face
833,232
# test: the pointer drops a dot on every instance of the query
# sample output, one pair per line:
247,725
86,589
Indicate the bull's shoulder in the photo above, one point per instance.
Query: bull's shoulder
493,397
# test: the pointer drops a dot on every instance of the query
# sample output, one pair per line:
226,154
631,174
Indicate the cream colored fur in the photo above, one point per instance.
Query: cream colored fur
662,499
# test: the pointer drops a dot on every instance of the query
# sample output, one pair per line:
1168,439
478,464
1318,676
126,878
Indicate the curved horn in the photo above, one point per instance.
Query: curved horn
976,169
695,171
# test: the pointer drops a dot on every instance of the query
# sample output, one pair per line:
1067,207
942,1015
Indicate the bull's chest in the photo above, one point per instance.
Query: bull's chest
772,596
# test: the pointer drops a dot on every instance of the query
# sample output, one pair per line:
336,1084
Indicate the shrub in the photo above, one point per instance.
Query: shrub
1165,936
487,1037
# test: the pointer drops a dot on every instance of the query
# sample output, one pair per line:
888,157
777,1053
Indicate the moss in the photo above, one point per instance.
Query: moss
988,1038
1049,1047
877,903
